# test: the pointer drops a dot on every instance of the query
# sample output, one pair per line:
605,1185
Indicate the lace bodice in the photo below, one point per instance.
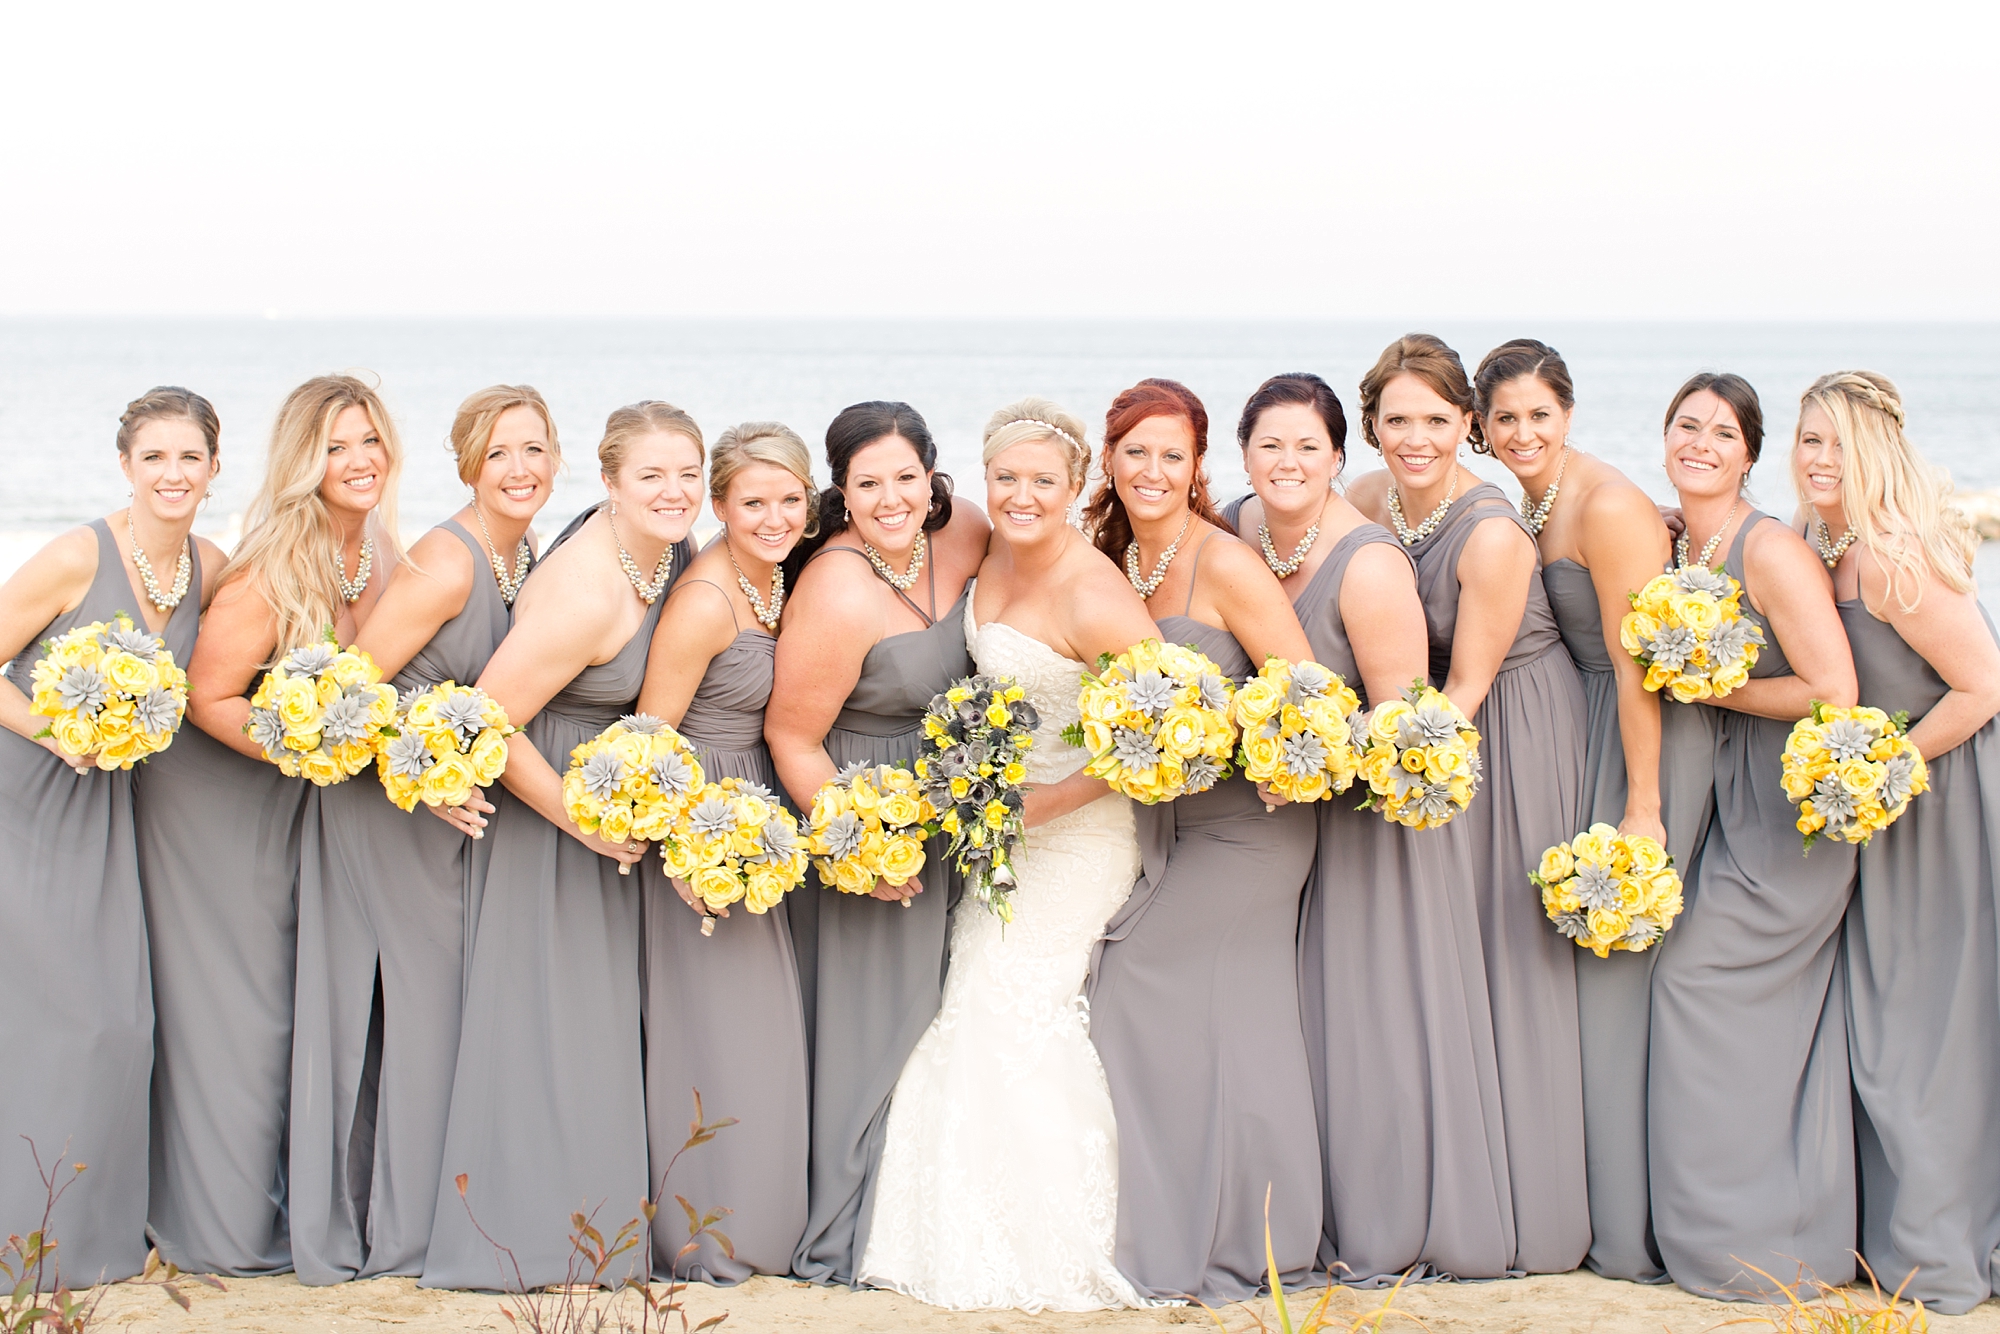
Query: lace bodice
1052,683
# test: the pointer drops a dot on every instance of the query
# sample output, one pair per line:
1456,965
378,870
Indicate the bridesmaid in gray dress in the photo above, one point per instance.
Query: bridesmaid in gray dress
77,1080
1602,542
1392,985
722,1010
219,830
1182,993
1749,999
548,1112
1495,651
1923,977
384,895
876,631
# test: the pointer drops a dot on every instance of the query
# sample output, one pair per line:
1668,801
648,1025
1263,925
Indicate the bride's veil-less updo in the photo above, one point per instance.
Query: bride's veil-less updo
1037,419
846,435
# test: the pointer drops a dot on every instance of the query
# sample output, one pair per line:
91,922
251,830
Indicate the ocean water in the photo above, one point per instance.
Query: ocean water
63,384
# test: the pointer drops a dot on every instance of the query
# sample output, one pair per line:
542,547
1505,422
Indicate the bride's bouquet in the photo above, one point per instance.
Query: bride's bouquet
109,690
869,823
1851,772
446,741
1298,722
981,731
1156,722
1420,757
733,842
1607,891
322,713
630,781
1687,629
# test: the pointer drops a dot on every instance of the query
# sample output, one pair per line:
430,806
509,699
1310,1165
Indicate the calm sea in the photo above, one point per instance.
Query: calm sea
63,383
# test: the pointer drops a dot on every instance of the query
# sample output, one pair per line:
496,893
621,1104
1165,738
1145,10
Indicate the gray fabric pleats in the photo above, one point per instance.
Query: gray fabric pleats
1200,1038
880,968
723,1016
1924,1033
1750,1123
383,900
73,973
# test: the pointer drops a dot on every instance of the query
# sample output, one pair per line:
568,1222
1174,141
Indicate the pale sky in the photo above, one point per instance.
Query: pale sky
1299,160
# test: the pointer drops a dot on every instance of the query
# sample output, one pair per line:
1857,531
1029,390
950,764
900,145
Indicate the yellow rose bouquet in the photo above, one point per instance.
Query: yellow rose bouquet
1297,737
446,741
1607,891
981,731
1687,629
869,823
631,781
1156,722
1851,772
110,690
322,713
1420,758
734,843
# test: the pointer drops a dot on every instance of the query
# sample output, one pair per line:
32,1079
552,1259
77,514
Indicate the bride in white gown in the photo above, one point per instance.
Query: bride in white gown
999,1180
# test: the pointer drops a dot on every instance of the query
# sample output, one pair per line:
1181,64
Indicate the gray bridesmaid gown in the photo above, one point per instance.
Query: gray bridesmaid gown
1923,1007
548,1104
383,905
1200,1038
1531,729
219,837
1750,1119
879,968
1392,986
723,1016
73,970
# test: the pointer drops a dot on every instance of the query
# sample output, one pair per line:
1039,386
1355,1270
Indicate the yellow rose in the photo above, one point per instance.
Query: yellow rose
896,780
997,715
899,809
1014,774
1262,754
1798,784
449,782
320,767
489,757
716,886
1658,677
1594,844
960,787
1101,705
1182,732
614,824
1657,591
1259,698
767,886
995,815
354,668
1688,689
1608,923
1648,857
850,876
121,752
949,823
423,712
1699,612
1310,788
1388,716
864,796
901,859
298,704
677,854
1376,767
325,688
1557,864
131,674
1635,629
1733,676
1859,777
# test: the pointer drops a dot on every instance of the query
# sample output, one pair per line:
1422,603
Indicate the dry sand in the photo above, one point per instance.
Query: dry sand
1578,1303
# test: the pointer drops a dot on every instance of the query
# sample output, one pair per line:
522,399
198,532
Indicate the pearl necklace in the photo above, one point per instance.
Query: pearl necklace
1285,569
524,556
1537,515
1408,536
1708,550
352,591
662,572
182,572
1144,586
1831,551
907,580
766,617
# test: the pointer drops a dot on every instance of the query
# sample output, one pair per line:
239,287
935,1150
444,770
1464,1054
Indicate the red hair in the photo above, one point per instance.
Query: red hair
1105,518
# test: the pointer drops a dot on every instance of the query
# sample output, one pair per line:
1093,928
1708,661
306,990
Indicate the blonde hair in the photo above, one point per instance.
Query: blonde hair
290,544
1896,504
472,428
1037,419
752,443
635,421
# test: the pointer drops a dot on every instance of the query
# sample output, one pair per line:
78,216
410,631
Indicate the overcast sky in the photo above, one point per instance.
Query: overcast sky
1326,160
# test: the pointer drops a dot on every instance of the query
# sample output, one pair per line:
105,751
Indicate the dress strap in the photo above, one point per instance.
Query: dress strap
1194,572
928,618
727,601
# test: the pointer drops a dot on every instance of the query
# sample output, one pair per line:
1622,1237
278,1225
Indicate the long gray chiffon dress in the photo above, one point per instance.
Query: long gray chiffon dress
73,971
383,903
1200,1038
880,968
548,1104
219,837
1750,1121
1923,1003
1531,729
723,1016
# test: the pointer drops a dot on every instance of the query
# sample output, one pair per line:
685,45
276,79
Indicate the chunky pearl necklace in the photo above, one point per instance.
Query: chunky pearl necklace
1147,587
1537,515
766,614
907,580
662,572
182,572
1831,551
352,591
1409,536
1285,569
524,556
1708,550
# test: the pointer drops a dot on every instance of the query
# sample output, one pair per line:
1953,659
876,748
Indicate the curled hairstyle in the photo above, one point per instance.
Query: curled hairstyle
853,430
1427,357
169,402
1513,359
472,428
1105,519
1031,418
1737,393
1897,505
752,443
636,421
291,546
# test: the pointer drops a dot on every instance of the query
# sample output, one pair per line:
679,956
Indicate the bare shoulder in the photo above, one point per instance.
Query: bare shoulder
1773,552
1369,493
967,529
1380,564
1249,515
1616,500
444,558
69,556
1232,561
835,589
698,614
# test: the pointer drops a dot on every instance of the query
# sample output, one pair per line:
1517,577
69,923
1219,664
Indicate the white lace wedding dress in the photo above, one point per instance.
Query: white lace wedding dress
999,1180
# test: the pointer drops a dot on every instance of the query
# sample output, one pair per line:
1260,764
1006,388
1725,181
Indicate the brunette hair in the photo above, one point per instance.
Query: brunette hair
1737,393
472,426
169,402
1304,389
1427,357
857,427
1105,519
1510,361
